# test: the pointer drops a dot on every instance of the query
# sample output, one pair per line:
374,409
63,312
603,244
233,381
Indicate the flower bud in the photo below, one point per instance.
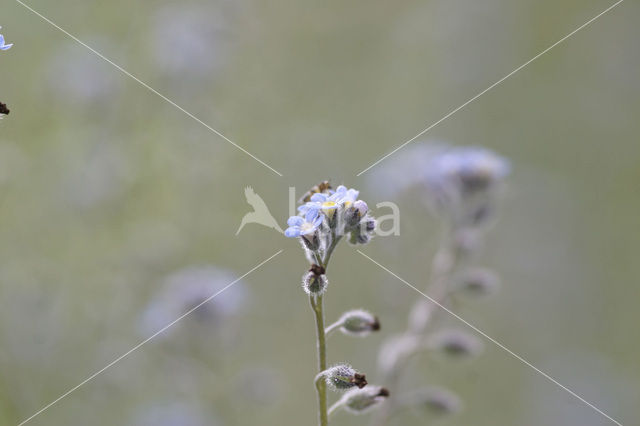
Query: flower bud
479,282
343,376
361,207
359,237
314,281
466,241
369,224
439,401
311,241
358,323
3,110
455,343
358,401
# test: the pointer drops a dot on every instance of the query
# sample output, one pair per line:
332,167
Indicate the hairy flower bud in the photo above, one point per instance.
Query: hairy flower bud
361,207
369,224
358,323
358,401
363,233
439,401
3,110
354,214
343,376
314,281
479,282
311,242
455,343
359,237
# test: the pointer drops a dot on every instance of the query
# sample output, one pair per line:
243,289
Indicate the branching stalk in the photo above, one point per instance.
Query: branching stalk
333,327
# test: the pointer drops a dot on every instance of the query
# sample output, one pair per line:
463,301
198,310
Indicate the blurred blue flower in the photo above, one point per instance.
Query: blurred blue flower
304,225
201,40
2,45
77,78
189,287
464,184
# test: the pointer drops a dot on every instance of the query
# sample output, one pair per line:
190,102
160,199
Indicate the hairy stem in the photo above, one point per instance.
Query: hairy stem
321,386
317,304
331,328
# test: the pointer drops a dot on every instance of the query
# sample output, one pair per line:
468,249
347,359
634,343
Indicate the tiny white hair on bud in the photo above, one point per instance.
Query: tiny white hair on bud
343,376
359,323
360,401
455,342
314,284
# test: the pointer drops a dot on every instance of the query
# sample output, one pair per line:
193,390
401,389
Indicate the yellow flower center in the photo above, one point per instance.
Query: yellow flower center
329,208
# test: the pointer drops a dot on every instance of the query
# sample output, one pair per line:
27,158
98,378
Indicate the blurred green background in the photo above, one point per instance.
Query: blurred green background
107,192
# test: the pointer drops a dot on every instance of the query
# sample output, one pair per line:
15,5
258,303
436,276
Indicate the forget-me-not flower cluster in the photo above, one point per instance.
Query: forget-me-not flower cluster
332,214
299,226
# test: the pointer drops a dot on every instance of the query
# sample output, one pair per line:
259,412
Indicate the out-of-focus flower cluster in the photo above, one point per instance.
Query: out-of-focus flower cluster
185,289
323,220
463,184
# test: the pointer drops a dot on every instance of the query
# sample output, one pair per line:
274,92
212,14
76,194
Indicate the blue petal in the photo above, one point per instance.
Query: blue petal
312,214
6,47
1,39
292,232
317,222
341,189
305,207
352,195
295,221
319,198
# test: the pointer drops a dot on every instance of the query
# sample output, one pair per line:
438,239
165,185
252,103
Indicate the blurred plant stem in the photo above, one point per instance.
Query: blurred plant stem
444,264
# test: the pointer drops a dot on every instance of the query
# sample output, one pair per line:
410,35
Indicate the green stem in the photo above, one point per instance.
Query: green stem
331,328
317,304
321,385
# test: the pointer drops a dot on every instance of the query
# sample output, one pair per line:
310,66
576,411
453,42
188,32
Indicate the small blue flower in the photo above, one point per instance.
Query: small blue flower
341,196
2,45
308,224
347,196
324,202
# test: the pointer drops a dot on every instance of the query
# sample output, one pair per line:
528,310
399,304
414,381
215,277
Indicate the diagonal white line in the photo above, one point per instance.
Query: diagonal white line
497,343
492,86
151,89
136,347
